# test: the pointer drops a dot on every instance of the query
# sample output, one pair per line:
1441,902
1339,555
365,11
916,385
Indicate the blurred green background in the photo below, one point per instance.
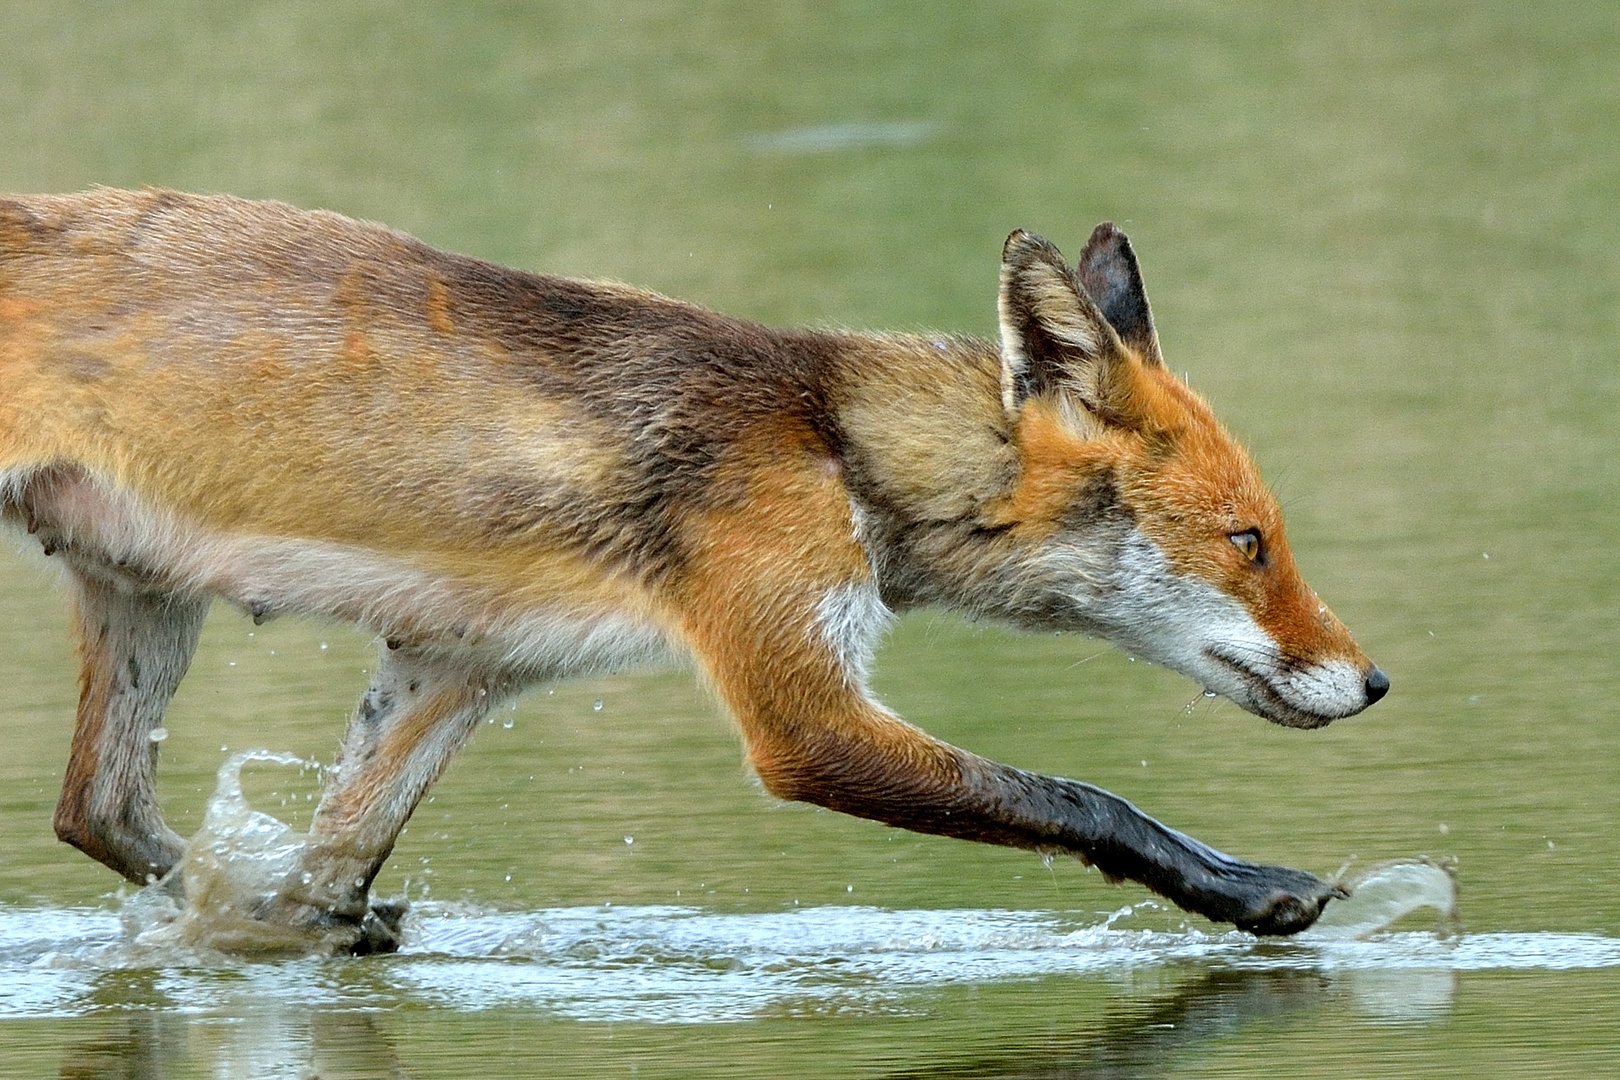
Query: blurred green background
1381,238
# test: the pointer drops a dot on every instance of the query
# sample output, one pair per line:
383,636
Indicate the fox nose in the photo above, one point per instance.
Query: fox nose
1377,685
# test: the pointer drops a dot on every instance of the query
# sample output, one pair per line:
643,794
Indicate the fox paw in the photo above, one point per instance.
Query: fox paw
1285,901
360,928
380,928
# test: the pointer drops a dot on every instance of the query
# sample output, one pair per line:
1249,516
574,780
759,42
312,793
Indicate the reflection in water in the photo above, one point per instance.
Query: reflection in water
1136,1040
279,1043
1141,1037
141,1047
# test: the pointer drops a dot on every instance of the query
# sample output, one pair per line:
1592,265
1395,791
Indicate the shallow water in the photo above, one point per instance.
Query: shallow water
1379,237
634,971
687,965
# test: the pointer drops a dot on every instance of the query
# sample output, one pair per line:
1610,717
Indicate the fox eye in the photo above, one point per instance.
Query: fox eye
1248,543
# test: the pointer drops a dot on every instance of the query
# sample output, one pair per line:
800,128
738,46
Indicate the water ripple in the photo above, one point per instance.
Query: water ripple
689,965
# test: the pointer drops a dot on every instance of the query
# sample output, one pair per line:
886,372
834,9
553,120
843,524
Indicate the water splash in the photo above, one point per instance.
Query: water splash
689,965
236,865
1384,893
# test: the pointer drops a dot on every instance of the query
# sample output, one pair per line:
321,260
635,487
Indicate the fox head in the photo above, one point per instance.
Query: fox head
1140,517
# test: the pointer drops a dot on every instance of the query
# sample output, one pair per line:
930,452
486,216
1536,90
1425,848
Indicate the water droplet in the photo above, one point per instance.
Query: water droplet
158,734
596,706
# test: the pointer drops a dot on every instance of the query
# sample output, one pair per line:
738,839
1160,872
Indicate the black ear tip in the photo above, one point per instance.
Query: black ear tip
1105,233
1108,238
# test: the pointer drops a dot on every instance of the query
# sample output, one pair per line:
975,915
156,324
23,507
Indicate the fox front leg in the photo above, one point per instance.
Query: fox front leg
783,629
872,765
1109,833
864,761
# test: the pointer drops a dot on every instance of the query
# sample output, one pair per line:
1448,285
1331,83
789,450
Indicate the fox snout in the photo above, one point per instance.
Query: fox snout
1294,694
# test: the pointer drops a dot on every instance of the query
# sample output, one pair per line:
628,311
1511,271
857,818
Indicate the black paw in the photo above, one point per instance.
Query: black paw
1282,901
380,928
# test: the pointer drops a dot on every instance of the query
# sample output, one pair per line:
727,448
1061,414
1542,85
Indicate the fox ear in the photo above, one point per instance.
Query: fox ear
1109,274
1053,337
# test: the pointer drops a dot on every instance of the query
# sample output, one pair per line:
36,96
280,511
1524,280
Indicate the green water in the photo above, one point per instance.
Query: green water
1381,238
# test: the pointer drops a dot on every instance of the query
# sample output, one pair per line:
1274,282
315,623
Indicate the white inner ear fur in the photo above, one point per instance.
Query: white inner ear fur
1014,359
1048,297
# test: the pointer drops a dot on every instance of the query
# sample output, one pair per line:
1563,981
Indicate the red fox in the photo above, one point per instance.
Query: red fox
512,478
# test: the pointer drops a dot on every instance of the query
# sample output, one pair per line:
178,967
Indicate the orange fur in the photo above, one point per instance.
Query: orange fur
511,478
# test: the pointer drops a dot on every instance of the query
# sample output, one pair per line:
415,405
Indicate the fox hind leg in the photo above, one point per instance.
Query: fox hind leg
135,644
408,725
